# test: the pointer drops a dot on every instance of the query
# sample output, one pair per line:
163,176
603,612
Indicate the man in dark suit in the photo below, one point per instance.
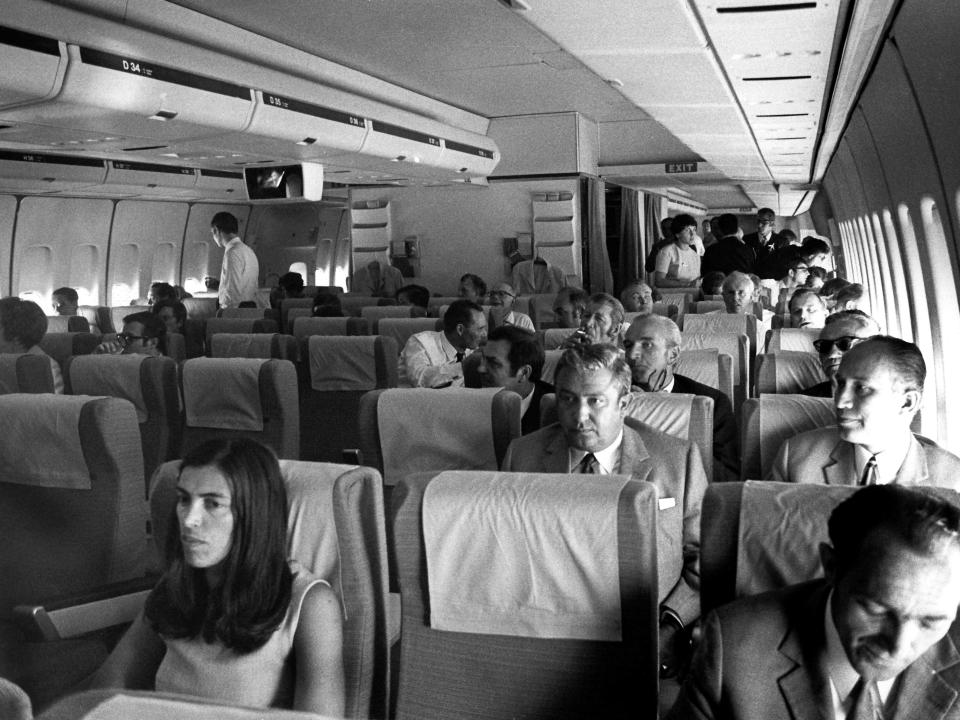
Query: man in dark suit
513,359
879,388
763,242
653,349
875,639
730,252
591,437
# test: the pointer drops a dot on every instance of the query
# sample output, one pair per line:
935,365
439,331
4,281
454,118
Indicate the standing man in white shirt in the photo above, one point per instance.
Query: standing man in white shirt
240,273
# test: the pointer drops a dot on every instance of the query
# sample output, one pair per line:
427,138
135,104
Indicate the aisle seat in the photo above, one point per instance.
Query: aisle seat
787,371
25,373
769,420
254,345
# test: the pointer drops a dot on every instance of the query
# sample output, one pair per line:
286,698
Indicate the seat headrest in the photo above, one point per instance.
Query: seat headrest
246,345
111,375
223,393
343,363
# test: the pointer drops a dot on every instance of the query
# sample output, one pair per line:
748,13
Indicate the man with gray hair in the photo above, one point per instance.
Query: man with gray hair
602,321
841,332
652,345
594,437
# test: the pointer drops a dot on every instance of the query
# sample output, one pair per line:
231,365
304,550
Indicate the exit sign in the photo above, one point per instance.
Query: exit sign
680,167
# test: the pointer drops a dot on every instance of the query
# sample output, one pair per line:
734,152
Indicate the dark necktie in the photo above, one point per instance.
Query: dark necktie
460,356
589,465
866,701
869,476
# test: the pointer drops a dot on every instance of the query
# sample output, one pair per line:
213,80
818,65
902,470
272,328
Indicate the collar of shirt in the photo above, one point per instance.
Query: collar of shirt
525,402
448,349
889,460
233,242
608,458
838,669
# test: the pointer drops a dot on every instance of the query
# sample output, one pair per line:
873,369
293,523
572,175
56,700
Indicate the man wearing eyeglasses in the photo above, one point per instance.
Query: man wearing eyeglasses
143,334
501,298
841,332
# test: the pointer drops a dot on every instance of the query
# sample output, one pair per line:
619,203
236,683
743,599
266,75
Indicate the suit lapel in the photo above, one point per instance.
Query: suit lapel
803,688
841,469
556,459
925,691
913,471
633,453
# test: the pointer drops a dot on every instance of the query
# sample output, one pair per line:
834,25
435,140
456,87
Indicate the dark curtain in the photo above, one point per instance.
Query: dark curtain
631,253
653,211
597,275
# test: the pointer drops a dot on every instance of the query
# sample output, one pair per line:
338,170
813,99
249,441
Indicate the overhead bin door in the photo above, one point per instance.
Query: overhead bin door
32,67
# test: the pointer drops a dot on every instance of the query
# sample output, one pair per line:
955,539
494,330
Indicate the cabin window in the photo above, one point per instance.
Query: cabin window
945,319
197,264
83,272
873,286
885,290
920,313
125,285
899,277
300,267
36,270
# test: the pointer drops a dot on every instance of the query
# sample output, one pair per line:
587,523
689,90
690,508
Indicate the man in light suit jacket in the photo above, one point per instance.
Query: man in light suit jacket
877,637
879,390
593,391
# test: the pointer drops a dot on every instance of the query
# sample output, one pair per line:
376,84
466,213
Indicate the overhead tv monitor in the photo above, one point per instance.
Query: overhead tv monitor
303,181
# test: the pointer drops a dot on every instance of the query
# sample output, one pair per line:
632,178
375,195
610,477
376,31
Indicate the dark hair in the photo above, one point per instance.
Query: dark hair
785,238
833,286
853,291
251,603
816,271
525,349
163,291
225,223
459,312
23,321
903,356
921,517
68,294
728,224
713,279
680,222
800,293
766,214
478,284
179,309
327,304
153,327
859,315
814,246
292,284
583,358
417,295
573,295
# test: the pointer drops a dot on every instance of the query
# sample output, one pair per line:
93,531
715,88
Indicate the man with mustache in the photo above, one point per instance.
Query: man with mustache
879,388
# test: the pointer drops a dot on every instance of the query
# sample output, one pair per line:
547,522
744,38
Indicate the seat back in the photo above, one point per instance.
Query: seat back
336,372
705,306
734,345
92,315
200,308
60,346
25,373
376,313
681,301
769,420
150,383
541,310
488,667
254,345
759,536
176,347
71,496
554,338
288,304
724,323
796,339
353,303
708,366
688,417
237,325
256,398
400,329
67,323
668,311
336,531
239,312
787,371
110,319
304,327
409,430
435,303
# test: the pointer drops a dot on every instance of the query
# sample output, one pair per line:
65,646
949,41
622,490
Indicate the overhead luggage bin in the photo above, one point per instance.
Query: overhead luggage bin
149,178
40,173
33,67
221,183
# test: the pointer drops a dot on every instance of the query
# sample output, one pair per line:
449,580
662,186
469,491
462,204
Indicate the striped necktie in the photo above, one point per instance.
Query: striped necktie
589,465
869,476
866,701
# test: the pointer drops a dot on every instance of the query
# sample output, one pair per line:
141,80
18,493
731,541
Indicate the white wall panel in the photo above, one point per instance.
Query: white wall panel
8,213
156,230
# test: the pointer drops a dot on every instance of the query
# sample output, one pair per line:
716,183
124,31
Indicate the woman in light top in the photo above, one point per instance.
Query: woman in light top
232,619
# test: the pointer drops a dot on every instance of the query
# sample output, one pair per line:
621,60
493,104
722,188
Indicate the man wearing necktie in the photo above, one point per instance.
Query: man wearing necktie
874,639
594,438
878,391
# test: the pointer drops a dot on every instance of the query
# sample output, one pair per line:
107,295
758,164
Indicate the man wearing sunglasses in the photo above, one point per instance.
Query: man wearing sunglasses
143,334
841,332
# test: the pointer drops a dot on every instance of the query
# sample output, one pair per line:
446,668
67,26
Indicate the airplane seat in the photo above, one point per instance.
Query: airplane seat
708,366
669,311
200,308
61,346
14,702
245,313
305,327
352,303
237,325
781,321
551,358
400,329
554,338
150,383
92,315
723,323
737,346
256,398
438,301
176,347
374,314
521,304
312,290
336,530
541,310
110,319
795,339
288,304
769,420
787,371
680,300
335,373
758,536
701,307
420,429
254,345
67,323
474,645
25,373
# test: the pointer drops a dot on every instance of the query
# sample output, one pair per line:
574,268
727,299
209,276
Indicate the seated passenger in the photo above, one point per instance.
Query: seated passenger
232,619
289,285
868,641
415,296
65,301
795,275
841,332
513,359
569,306
653,348
593,391
829,291
852,297
601,323
879,388
678,264
807,309
327,304
161,291
472,288
815,251
713,283
638,297
432,358
22,327
501,298
143,334
816,277
738,293
173,313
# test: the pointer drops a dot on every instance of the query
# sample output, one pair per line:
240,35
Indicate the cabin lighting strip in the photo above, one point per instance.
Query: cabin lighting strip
777,7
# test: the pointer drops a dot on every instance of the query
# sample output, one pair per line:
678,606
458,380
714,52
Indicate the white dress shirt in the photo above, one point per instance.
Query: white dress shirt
429,360
608,459
239,274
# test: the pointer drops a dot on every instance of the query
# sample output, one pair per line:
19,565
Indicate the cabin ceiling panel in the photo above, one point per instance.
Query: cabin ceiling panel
638,142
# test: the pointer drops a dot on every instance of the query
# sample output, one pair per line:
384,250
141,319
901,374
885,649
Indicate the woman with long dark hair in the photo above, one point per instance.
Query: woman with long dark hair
232,619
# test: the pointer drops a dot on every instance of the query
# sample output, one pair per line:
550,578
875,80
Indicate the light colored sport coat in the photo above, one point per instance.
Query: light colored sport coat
675,467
